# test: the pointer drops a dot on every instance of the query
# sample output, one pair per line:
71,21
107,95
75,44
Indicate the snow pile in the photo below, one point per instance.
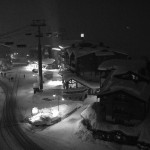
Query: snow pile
83,133
46,115
94,114
42,117
93,120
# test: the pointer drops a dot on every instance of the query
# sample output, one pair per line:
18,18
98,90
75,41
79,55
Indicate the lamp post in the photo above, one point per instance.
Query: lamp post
57,100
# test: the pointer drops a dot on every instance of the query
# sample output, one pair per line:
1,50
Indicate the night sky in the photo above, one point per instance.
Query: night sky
120,24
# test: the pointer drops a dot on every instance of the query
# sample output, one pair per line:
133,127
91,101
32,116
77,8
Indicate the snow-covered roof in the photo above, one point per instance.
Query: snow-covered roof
93,85
81,52
139,89
48,61
121,64
66,43
98,50
118,51
101,53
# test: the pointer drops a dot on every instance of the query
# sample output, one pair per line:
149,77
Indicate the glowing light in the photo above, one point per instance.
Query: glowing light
54,83
35,111
57,49
61,47
12,56
62,99
55,113
82,35
54,95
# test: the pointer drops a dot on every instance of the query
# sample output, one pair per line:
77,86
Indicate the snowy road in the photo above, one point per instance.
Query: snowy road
12,136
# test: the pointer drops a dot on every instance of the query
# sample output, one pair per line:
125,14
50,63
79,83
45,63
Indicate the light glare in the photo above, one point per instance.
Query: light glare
35,111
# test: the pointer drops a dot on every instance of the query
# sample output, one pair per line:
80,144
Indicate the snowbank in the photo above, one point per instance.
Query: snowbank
93,114
2,99
83,133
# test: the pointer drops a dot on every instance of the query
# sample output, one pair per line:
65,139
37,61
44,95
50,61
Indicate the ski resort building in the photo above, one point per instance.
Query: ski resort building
79,66
123,96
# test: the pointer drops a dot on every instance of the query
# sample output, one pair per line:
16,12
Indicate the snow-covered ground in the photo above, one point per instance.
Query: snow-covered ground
65,134
2,100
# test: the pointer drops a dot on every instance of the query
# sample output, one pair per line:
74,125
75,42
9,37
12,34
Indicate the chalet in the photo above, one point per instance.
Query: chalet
117,66
84,58
126,98
79,64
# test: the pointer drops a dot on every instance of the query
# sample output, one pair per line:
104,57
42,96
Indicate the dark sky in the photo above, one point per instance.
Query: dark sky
121,24
118,23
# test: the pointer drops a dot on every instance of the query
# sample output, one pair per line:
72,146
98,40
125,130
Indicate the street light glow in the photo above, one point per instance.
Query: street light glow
35,111
82,35
61,47
57,49
54,83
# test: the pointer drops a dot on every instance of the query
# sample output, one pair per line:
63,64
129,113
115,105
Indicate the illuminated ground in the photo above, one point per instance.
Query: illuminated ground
62,135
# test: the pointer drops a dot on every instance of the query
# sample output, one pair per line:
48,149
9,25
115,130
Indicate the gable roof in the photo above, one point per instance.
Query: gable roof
83,48
122,65
139,89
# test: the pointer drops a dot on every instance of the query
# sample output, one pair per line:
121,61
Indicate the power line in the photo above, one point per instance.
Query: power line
5,35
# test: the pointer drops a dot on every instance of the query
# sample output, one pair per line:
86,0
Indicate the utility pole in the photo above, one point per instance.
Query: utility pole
39,24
